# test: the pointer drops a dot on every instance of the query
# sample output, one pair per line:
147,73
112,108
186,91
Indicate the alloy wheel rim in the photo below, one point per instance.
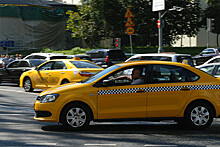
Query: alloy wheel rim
76,117
27,84
200,116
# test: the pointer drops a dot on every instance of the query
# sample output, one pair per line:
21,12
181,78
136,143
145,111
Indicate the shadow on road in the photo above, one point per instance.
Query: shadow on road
171,129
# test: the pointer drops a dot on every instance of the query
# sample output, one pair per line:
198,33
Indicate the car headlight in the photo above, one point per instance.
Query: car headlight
49,98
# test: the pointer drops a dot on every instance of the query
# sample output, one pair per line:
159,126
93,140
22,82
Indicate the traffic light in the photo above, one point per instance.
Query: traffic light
210,24
117,42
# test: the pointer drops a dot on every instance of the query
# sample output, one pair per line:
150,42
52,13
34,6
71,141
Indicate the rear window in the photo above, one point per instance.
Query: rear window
116,54
84,64
58,57
98,54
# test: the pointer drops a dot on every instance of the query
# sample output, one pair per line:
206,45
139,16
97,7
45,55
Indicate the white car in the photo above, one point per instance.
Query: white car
215,59
182,58
46,56
212,69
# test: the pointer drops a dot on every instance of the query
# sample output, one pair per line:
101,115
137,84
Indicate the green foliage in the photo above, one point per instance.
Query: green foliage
47,50
101,19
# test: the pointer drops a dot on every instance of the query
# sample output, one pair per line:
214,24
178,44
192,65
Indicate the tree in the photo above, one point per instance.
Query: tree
101,19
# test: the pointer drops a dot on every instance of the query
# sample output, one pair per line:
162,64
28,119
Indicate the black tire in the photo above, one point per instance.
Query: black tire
199,115
76,116
27,84
65,82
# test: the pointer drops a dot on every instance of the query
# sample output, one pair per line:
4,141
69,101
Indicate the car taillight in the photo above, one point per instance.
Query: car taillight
85,74
106,59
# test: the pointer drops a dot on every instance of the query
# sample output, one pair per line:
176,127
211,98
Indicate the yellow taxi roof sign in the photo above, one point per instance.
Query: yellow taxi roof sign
76,58
128,14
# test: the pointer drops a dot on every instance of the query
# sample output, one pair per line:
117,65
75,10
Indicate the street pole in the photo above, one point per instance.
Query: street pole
131,44
208,29
160,34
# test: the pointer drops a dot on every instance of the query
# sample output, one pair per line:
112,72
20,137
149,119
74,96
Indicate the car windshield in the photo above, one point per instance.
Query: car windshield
36,63
84,64
208,51
100,74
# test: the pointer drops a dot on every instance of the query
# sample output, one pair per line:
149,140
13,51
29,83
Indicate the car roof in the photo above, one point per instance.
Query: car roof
210,64
69,60
151,62
161,54
47,54
96,50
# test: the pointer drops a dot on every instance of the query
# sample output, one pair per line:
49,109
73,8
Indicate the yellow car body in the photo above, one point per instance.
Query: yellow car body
158,99
57,72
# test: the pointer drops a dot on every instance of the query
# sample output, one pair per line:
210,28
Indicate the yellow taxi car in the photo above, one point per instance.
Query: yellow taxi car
165,90
58,72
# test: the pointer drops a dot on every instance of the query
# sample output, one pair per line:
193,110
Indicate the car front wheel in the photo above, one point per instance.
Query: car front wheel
199,115
28,85
76,116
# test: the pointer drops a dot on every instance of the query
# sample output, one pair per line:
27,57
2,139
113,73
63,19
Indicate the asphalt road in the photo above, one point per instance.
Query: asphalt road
18,128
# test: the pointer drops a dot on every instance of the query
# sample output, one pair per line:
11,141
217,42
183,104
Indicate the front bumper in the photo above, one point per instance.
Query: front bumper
48,112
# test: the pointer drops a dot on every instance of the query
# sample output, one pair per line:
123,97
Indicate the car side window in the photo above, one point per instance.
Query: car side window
168,74
46,66
192,76
218,71
58,65
30,57
126,77
13,65
23,64
217,60
208,69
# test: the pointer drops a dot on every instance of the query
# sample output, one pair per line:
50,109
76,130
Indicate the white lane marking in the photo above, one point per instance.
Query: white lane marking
158,145
8,114
19,91
41,143
100,144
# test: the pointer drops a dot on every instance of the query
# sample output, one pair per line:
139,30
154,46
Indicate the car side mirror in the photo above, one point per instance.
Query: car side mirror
201,54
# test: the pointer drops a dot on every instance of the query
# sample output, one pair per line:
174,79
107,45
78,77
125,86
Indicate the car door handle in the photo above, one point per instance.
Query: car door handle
185,89
140,91
46,72
62,72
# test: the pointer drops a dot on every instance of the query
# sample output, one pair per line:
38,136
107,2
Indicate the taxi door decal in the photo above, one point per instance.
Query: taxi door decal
157,89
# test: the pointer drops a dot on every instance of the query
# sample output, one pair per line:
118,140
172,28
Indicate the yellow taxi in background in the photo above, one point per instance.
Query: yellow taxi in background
164,91
58,72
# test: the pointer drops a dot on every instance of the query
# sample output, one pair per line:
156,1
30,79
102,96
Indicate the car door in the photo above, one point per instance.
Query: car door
12,70
56,73
22,67
121,99
41,76
168,92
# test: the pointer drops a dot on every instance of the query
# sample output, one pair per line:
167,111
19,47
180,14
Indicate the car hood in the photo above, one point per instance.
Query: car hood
63,88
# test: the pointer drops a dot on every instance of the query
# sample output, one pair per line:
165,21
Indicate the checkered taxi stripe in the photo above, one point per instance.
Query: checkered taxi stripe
157,89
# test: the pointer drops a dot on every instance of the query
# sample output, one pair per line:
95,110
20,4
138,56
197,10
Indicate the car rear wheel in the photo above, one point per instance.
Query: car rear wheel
76,116
199,115
28,85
